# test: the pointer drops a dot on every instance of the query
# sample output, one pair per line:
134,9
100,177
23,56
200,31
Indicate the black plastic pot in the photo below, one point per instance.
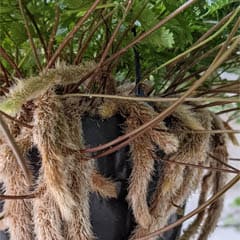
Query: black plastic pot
112,219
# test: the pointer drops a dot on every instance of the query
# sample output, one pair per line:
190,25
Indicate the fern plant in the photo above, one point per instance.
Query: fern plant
63,60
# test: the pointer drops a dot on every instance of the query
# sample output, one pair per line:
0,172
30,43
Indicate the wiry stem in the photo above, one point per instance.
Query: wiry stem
5,73
71,34
80,53
171,161
180,56
30,35
19,197
223,163
149,99
140,38
131,25
170,109
12,144
53,33
228,110
31,16
9,59
234,159
229,38
214,28
206,37
150,31
15,120
104,55
194,212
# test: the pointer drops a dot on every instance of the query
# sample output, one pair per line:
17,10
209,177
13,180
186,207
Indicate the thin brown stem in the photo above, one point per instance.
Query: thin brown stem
110,42
131,25
53,33
214,198
148,99
189,63
214,28
15,120
31,17
71,34
140,38
145,127
212,104
115,147
80,53
202,38
228,110
234,159
223,163
27,27
12,144
5,73
229,38
201,166
150,31
19,197
11,62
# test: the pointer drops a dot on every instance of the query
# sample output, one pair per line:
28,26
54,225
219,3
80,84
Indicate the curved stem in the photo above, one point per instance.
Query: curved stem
31,16
12,144
194,212
11,62
142,129
199,44
30,35
140,38
53,33
15,120
71,34
223,163
110,42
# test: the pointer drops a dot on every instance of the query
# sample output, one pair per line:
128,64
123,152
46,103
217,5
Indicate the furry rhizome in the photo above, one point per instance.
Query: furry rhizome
178,138
61,211
66,176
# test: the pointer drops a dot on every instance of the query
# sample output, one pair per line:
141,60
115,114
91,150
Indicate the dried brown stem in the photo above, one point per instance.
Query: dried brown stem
139,38
12,144
5,73
27,27
15,120
212,104
214,28
194,212
117,147
31,16
223,163
201,166
150,31
53,33
149,99
234,159
71,34
110,42
131,24
9,59
229,38
19,197
145,127
87,41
